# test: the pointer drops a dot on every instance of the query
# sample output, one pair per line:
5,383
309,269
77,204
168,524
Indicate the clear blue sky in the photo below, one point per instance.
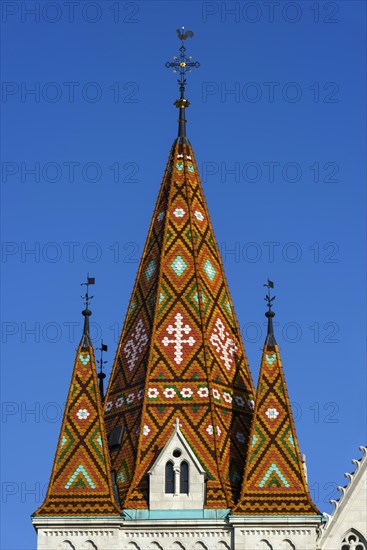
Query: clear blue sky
97,131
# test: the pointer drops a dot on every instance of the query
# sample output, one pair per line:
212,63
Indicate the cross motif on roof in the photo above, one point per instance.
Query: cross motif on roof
178,330
177,425
223,343
135,345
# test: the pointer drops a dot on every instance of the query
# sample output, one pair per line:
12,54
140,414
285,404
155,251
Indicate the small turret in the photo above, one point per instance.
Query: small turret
80,483
274,480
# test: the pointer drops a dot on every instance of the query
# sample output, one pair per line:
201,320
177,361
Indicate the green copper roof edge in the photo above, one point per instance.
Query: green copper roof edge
207,513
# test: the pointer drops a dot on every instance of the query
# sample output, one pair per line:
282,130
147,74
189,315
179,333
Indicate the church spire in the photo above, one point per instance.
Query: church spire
183,65
274,481
180,353
80,483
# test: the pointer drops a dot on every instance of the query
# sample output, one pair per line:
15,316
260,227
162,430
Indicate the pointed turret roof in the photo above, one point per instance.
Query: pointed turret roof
274,480
180,353
80,483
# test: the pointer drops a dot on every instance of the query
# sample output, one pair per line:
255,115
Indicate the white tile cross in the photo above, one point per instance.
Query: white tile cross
178,330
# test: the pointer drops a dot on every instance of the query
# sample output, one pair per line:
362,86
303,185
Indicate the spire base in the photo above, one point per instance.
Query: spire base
182,140
181,104
270,338
101,376
85,342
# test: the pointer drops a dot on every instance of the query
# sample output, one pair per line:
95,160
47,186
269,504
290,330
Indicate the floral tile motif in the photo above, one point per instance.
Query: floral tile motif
179,212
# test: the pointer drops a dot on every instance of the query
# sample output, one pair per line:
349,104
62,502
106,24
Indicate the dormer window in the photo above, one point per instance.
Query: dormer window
177,479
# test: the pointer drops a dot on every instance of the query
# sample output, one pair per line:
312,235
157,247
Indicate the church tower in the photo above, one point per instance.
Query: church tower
183,456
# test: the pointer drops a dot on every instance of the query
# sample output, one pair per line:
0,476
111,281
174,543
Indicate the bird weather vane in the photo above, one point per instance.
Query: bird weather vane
182,63
86,297
269,299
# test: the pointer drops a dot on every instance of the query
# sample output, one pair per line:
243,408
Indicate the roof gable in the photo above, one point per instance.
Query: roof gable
176,439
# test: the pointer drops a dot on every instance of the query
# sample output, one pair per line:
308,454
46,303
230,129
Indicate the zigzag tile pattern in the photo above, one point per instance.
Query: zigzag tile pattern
180,352
274,482
80,483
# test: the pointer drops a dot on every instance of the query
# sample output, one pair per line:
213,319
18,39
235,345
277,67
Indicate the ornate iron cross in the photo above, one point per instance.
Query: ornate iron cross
182,63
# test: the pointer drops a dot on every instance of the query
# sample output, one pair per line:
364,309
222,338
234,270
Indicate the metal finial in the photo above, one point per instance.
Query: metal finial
182,64
86,342
101,374
269,300
270,339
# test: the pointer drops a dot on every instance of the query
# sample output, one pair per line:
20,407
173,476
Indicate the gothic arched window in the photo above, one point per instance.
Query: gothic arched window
170,478
184,478
354,541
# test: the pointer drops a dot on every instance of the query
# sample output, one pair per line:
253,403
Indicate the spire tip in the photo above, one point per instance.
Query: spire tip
86,342
270,339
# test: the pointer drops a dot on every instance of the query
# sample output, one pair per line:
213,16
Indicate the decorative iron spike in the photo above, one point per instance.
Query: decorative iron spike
101,374
270,339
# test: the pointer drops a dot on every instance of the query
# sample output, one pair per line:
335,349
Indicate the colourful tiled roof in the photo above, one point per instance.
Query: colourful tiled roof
274,481
180,354
80,483
180,359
